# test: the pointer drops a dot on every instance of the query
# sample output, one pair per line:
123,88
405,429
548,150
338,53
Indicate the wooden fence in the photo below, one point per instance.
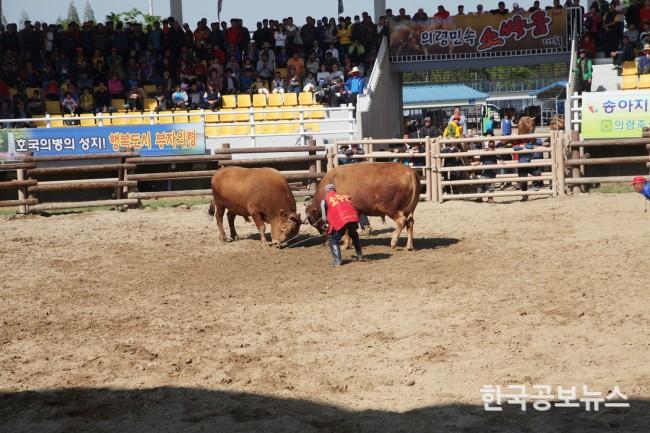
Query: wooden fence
130,173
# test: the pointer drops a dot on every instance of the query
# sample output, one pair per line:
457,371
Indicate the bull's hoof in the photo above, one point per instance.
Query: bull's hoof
234,238
409,247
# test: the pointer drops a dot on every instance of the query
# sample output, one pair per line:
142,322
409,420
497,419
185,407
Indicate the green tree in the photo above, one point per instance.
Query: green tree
89,14
133,16
23,17
73,15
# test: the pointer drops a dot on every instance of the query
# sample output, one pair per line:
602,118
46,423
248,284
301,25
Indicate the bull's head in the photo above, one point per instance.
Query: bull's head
284,226
314,217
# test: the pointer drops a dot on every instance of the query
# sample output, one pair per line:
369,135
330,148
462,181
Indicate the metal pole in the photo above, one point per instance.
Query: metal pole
150,7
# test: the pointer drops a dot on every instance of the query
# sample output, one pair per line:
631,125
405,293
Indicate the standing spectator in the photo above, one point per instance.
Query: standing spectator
516,9
612,28
461,10
420,16
343,34
523,172
479,10
462,120
427,129
501,9
588,44
298,64
490,158
355,84
506,125
583,70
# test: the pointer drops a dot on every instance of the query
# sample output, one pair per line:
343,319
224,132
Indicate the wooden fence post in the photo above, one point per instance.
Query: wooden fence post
559,155
368,149
20,175
313,169
438,164
330,158
431,194
575,171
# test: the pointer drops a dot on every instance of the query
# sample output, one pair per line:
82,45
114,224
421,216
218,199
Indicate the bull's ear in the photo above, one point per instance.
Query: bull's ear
283,213
295,217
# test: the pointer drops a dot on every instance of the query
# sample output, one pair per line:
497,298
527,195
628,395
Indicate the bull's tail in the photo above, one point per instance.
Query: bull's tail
211,209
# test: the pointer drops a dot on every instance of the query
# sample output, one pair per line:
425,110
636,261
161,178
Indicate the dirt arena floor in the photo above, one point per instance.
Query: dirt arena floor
142,321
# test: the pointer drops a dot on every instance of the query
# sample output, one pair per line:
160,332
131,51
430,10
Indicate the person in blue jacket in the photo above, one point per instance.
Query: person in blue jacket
641,186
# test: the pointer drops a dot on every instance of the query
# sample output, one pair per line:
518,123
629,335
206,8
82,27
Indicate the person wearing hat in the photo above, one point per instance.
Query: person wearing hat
642,186
339,216
427,129
584,71
643,61
355,84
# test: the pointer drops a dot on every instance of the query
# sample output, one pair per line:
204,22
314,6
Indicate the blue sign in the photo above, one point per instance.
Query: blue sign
148,140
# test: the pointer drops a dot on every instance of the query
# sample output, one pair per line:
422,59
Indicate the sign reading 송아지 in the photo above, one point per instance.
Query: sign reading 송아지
148,140
615,114
465,34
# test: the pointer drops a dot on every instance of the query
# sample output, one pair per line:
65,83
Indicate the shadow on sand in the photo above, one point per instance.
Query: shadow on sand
169,409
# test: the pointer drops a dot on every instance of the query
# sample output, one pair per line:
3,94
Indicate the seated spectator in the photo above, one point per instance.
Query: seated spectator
265,67
69,104
336,73
420,16
179,98
135,99
196,97
115,87
516,9
278,85
323,76
51,90
259,86
230,83
309,85
162,99
212,98
624,53
102,99
501,9
36,105
312,64
632,34
21,112
461,10
246,81
298,64
643,61
86,101
294,83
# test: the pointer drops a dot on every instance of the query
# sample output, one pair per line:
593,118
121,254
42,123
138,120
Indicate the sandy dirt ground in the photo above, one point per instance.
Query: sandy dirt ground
143,321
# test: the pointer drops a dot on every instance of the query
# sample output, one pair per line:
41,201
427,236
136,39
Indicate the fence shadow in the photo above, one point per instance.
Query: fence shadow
168,409
418,243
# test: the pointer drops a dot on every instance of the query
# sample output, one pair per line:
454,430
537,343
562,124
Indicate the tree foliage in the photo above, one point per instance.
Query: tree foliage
133,16
73,15
89,14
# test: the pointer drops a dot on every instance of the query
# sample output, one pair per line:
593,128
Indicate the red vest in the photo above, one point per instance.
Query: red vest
340,210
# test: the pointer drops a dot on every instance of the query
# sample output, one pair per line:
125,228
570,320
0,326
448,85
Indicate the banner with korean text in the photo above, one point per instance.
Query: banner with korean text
467,34
148,140
615,114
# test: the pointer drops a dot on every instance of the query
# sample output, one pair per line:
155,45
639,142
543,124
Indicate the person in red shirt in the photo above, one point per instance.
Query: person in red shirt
340,216
644,13
442,14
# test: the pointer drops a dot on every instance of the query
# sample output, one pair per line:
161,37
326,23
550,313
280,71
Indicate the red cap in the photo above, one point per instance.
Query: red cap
639,179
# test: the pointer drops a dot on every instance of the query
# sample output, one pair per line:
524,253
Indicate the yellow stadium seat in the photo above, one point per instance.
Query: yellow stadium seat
211,117
150,104
243,101
12,92
283,72
117,104
629,68
165,119
318,114
260,114
52,107
306,98
644,81
628,82
117,121
242,115
134,119
39,121
106,120
181,117
149,89
288,127
266,128
259,100
224,130
196,116
290,99
241,130
289,114
211,131
30,91
229,102
312,127
56,123
275,100
87,119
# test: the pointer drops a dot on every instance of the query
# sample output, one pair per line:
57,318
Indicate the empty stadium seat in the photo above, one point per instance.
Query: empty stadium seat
259,100
52,107
283,72
117,121
260,114
629,68
211,117
117,104
87,119
105,119
628,82
241,130
306,98
243,101
39,121
229,101
290,99
12,92
266,128
318,114
57,123
150,104
224,130
149,89
312,127
289,114
134,119
30,91
644,81
181,117
211,131
196,116
288,127
165,119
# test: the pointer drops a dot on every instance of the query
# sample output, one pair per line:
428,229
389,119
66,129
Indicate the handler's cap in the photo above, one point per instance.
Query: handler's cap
638,179
330,187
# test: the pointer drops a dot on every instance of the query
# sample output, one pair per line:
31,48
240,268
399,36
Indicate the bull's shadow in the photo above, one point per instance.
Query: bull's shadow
168,409
418,243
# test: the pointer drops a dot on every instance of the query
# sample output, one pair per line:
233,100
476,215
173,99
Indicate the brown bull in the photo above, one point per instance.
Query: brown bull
260,193
376,189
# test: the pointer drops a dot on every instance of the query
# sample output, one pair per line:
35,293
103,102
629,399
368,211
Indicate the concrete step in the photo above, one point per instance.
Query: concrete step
605,78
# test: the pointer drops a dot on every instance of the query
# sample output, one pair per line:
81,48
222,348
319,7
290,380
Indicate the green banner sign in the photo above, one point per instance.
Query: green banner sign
615,114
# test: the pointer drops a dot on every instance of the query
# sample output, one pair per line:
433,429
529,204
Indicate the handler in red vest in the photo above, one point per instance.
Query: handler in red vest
339,215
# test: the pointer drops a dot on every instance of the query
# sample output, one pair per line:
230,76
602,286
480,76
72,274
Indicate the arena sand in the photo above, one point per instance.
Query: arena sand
143,321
